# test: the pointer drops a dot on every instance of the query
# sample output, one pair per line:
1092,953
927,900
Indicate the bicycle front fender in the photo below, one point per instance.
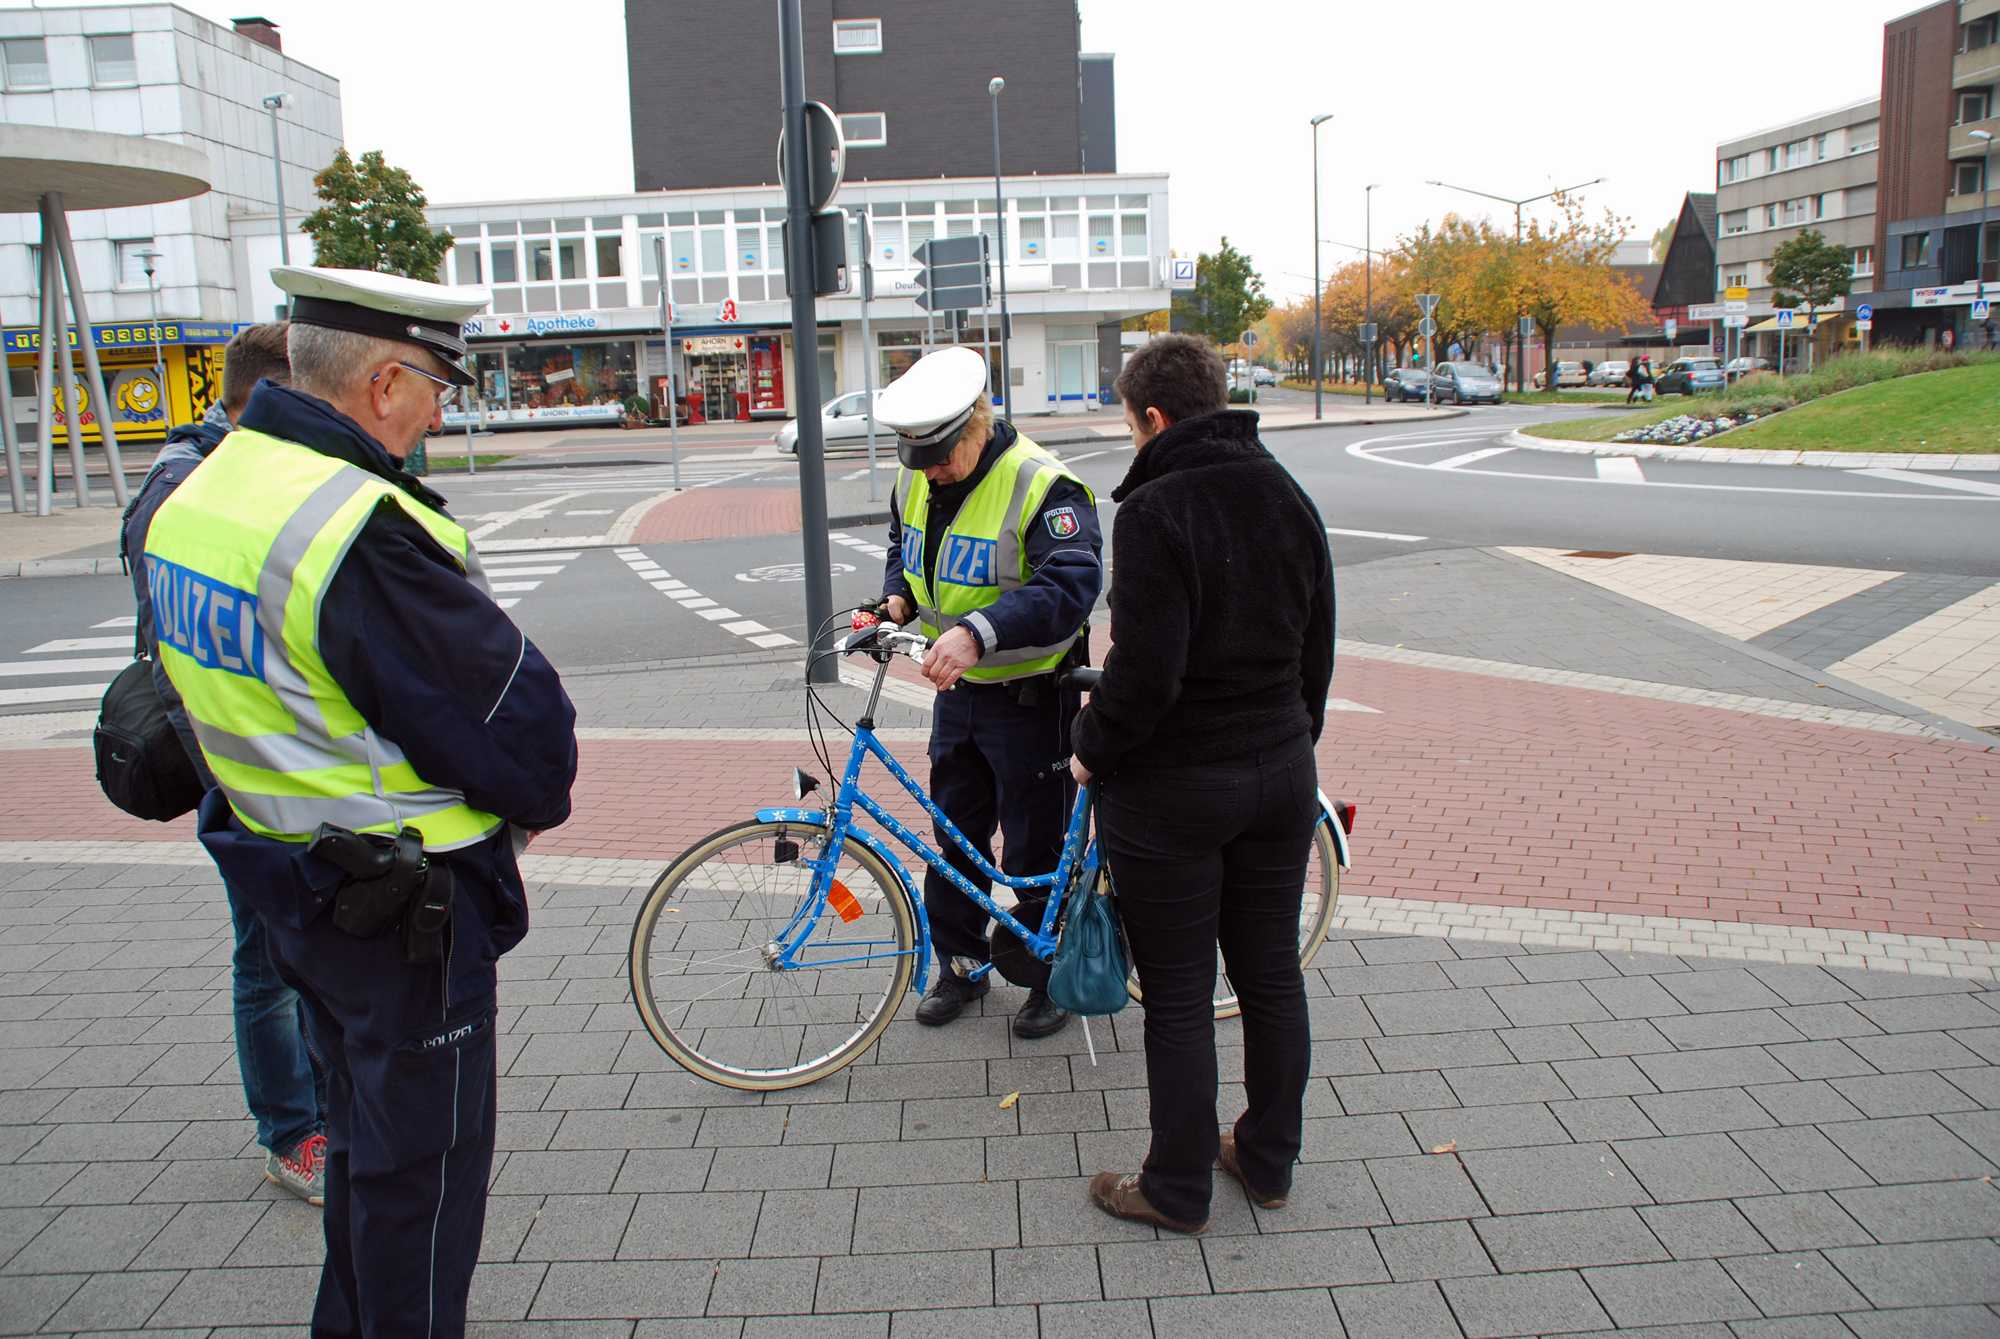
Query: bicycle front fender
1330,815
875,845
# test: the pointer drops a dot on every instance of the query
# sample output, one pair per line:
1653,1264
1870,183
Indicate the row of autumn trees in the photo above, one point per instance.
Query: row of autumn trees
1559,273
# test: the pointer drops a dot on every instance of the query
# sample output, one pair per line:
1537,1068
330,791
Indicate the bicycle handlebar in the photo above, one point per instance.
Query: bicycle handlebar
886,637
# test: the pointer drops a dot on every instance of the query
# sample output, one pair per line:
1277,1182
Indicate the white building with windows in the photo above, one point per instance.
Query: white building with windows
1816,173
575,329
158,70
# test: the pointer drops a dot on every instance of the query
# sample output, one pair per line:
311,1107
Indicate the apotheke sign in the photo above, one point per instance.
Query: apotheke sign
555,325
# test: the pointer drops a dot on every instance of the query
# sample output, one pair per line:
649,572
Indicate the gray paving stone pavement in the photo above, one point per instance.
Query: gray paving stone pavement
1502,1141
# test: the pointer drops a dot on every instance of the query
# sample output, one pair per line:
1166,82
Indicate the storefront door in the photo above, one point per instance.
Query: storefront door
1074,364
718,379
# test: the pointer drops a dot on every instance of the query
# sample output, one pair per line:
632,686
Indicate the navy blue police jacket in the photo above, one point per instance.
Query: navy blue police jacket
432,663
1067,569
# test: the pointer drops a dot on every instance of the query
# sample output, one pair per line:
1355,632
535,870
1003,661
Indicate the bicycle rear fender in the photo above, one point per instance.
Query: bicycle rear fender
818,818
1330,814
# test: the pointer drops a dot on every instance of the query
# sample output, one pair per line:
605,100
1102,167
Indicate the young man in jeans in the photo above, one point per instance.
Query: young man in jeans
282,1084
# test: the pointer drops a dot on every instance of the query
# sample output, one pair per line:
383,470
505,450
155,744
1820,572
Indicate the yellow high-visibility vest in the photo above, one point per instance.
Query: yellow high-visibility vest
238,559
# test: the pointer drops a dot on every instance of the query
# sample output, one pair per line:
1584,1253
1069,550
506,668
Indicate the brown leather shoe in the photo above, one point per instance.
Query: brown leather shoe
1119,1195
1226,1160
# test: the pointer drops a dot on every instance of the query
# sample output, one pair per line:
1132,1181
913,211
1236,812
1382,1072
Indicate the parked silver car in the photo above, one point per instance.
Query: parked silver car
1610,374
1465,383
843,425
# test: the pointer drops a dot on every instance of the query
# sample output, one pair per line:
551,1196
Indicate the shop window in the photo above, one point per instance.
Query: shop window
1102,243
864,130
1916,250
541,260
857,37
1132,235
112,61
506,263
545,376
610,263
896,352
26,62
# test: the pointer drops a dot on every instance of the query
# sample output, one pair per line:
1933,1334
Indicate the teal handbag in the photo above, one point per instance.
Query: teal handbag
1091,963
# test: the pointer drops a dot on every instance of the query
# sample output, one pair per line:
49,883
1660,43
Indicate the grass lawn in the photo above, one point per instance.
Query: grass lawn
1566,397
455,464
1953,412
1943,413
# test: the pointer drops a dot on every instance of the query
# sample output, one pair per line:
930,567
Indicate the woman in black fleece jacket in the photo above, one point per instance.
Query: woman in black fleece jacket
1201,736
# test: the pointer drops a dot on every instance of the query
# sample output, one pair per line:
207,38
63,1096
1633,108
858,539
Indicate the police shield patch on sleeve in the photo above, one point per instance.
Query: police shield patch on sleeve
1061,521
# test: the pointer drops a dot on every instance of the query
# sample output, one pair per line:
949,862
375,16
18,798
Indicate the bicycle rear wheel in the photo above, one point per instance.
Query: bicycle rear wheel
1322,889
707,962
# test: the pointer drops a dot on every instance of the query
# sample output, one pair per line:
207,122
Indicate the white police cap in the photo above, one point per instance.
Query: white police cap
387,306
929,405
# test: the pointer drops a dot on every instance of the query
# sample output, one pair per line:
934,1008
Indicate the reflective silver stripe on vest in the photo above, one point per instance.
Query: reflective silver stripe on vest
1023,654
314,747
1010,561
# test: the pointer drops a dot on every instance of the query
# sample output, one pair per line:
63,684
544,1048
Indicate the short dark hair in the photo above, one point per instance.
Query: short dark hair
1179,375
256,354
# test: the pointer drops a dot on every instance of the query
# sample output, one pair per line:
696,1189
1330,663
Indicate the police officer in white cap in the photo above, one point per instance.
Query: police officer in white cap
994,549
385,741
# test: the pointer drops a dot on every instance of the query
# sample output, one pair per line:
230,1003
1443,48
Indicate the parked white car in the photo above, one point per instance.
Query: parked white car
843,424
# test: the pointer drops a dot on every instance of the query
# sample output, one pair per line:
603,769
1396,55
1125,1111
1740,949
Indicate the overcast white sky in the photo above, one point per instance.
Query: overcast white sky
524,98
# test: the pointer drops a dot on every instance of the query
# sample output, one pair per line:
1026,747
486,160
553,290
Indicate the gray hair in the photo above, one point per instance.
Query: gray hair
334,364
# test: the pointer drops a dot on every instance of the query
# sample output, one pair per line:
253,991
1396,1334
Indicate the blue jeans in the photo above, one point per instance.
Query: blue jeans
283,1085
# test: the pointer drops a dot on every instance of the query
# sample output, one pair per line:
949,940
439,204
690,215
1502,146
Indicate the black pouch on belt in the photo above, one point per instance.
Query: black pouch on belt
384,876
429,916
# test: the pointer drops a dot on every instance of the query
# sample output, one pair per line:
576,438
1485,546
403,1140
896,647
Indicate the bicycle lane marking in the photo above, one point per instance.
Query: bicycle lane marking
692,600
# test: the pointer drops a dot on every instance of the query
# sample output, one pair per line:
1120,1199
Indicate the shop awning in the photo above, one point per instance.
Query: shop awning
1770,323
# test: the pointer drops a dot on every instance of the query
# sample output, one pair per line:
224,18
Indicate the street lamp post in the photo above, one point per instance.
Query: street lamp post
1368,300
1985,208
993,87
1319,388
151,259
272,102
1520,344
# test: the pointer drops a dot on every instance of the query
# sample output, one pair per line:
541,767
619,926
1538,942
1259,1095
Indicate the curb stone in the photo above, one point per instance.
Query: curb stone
61,567
1847,460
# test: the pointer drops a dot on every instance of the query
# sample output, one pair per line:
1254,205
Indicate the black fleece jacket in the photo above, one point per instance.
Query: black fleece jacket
1221,605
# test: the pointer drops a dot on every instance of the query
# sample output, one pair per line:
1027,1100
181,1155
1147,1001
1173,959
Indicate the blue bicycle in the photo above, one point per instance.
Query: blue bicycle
776,951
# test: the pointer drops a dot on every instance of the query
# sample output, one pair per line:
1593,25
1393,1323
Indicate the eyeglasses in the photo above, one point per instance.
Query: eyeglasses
445,396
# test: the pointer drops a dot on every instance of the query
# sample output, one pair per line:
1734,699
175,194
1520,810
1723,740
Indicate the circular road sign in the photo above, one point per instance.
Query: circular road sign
826,151
1864,313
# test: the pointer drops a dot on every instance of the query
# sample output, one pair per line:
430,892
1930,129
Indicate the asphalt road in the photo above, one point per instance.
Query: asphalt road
1383,490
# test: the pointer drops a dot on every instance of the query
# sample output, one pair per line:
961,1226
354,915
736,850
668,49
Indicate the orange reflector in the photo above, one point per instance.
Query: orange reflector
844,902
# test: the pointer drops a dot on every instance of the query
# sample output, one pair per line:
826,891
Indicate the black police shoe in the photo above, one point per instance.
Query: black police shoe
948,998
1039,1017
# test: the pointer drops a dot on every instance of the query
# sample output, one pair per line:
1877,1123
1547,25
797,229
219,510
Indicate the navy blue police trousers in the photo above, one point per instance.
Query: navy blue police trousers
997,762
411,1092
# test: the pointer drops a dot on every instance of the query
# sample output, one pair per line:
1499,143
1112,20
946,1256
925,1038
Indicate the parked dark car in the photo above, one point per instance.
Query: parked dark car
1405,383
1687,376
1466,383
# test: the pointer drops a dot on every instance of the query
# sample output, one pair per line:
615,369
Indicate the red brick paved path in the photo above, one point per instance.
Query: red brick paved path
1470,788
720,513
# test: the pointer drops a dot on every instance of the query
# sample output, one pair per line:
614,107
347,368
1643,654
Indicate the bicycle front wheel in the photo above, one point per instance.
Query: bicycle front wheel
1322,889
746,977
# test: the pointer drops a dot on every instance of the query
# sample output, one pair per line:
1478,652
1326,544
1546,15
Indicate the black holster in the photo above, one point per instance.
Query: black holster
389,882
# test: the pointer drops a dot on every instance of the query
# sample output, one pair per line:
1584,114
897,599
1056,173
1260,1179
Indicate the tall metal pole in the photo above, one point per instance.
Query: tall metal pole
993,87
667,332
272,102
868,344
805,344
1368,299
10,440
45,387
1985,222
1319,387
153,293
107,431
65,371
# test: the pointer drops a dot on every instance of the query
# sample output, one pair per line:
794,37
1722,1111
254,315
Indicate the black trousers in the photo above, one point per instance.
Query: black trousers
412,1090
997,762
1200,855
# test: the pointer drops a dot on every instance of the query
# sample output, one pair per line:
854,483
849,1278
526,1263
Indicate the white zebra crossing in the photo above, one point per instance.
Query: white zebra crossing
507,572
687,597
